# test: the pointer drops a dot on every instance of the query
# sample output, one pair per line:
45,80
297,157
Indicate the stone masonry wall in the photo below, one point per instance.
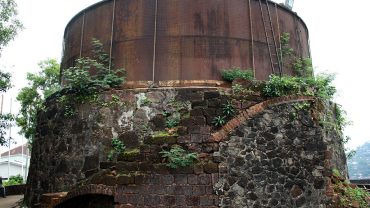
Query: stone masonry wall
269,155
275,160
70,149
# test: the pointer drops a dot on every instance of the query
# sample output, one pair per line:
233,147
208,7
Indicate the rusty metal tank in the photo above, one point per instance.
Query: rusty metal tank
186,40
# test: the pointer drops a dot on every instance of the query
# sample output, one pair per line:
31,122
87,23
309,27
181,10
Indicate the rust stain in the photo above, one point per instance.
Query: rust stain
195,39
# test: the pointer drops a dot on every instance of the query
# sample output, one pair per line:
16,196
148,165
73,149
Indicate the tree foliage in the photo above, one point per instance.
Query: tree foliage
9,27
9,23
40,86
5,122
5,119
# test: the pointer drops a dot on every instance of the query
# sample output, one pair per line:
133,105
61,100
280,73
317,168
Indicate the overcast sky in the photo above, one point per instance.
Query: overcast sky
339,36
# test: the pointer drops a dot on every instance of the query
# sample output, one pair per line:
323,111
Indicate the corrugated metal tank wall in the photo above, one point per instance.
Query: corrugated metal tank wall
163,40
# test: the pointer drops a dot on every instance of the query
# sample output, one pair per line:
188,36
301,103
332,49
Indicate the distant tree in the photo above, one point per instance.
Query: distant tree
9,27
9,23
40,86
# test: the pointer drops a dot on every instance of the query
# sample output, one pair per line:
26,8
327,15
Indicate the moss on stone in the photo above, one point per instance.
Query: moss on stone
129,154
163,137
163,134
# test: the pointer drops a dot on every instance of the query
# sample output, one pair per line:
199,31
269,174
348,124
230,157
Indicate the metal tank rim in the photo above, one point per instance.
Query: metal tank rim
105,1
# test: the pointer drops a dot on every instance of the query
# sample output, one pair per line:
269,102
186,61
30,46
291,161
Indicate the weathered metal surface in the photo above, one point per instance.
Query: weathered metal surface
162,40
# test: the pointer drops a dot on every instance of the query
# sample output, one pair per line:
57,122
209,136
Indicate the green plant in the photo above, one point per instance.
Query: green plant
348,194
235,72
82,86
172,122
302,106
40,86
335,120
285,50
228,109
118,148
81,82
322,85
341,120
14,180
354,194
145,101
319,86
9,22
219,121
350,154
6,121
240,90
336,172
278,86
177,157
69,111
303,67
163,134
9,28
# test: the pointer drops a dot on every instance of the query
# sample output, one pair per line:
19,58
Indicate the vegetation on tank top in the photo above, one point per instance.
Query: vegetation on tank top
87,78
237,73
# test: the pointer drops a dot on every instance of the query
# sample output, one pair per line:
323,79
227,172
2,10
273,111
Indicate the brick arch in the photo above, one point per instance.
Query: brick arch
92,189
253,111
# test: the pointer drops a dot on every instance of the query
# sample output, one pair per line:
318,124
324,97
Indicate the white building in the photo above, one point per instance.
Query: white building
14,162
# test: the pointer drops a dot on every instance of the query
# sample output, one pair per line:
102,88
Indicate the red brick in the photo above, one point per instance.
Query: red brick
198,190
143,189
145,166
157,189
192,200
168,200
329,191
120,198
124,206
198,168
192,179
131,189
152,200
204,179
139,179
206,138
209,190
183,170
183,139
161,168
180,200
227,128
132,198
181,179
196,138
154,179
328,155
217,136
167,179
205,129
215,177
183,190
206,201
210,167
